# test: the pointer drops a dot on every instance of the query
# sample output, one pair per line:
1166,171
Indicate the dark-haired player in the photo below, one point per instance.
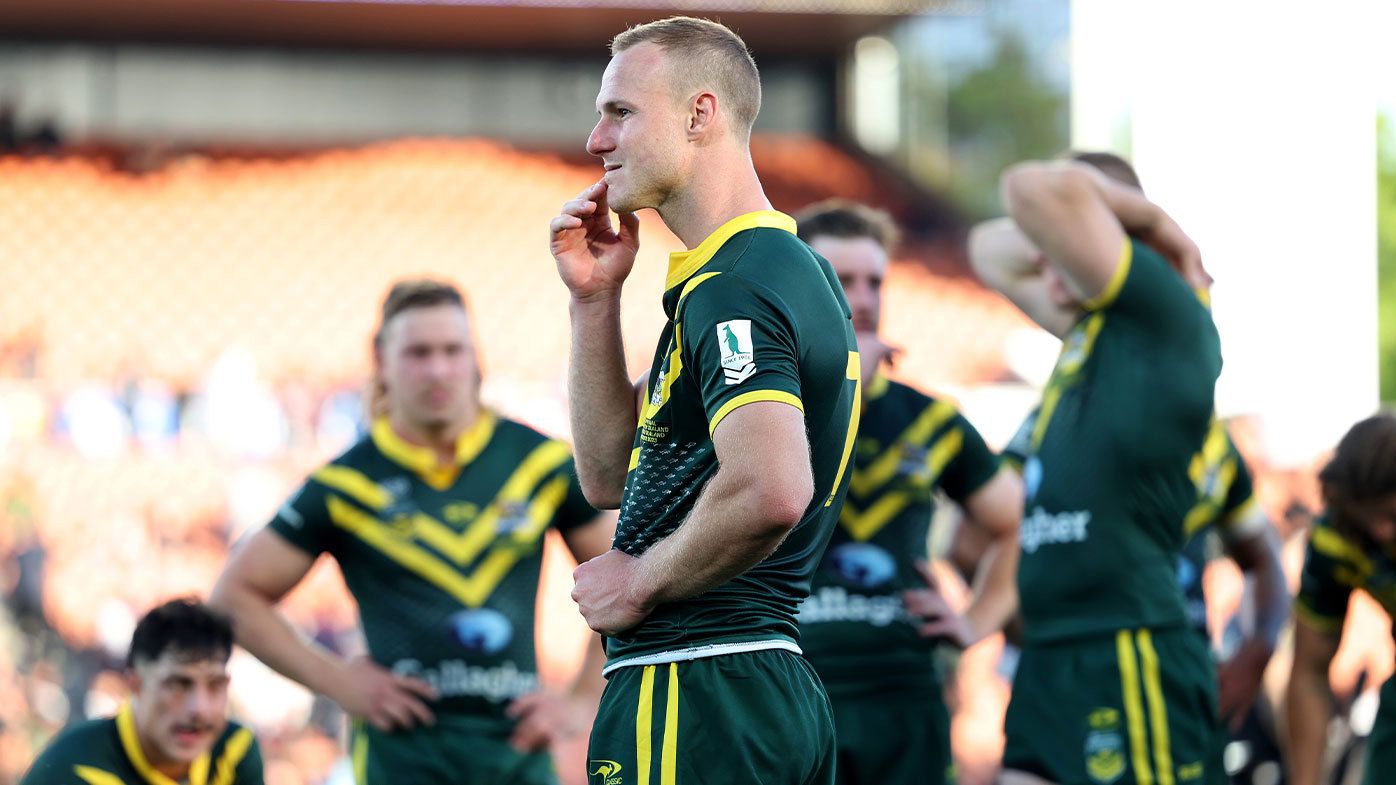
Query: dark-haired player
175,728
1352,546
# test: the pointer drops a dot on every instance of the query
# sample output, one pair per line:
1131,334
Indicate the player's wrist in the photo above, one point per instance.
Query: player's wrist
606,298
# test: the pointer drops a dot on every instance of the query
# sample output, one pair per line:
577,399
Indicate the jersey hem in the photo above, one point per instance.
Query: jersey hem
703,652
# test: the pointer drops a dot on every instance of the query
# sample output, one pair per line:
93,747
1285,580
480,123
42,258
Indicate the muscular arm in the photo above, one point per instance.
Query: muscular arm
257,577
1061,211
1309,702
1080,219
602,400
1007,262
259,574
760,491
997,509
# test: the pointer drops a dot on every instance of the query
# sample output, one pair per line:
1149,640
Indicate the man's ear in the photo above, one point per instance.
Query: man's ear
702,114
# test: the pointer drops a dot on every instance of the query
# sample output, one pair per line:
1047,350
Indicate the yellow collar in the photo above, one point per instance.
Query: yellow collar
422,460
131,743
684,264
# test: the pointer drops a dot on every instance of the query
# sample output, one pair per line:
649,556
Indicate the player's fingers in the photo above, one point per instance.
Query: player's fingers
394,714
924,603
563,223
530,734
523,705
924,569
380,720
939,628
592,190
416,686
579,207
414,710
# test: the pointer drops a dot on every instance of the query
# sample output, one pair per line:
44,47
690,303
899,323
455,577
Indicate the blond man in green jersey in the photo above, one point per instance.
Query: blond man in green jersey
436,520
729,461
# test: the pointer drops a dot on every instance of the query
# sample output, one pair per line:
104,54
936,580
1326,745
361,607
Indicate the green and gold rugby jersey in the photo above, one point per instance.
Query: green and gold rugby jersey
854,627
1225,503
444,562
108,752
1106,474
754,315
1334,565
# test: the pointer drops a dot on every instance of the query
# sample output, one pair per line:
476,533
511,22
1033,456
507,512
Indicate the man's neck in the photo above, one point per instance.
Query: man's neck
717,193
442,440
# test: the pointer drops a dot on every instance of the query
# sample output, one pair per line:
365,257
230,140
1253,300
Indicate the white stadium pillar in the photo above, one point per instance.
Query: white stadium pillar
1254,124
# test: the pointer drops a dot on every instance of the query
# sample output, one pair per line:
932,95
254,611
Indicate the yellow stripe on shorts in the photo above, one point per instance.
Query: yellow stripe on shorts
643,724
1158,709
1134,708
668,762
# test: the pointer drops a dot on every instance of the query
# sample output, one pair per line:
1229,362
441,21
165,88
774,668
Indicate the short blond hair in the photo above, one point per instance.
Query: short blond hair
707,55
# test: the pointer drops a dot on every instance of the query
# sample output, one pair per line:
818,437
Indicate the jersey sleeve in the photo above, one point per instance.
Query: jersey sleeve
1015,453
574,511
973,463
304,520
740,345
1146,288
1325,585
1237,516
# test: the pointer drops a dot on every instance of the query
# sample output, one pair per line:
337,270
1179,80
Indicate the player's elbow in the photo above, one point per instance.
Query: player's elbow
602,495
783,500
603,489
980,247
228,594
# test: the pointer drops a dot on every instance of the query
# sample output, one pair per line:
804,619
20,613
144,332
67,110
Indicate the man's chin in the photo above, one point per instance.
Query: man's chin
188,750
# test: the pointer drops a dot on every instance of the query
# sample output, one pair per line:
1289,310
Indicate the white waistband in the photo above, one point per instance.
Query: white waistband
702,652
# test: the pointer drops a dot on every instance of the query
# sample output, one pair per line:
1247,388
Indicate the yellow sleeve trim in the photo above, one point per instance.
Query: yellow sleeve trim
1241,514
1117,280
779,396
1324,624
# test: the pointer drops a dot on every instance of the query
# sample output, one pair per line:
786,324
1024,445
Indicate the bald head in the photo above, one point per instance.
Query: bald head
704,56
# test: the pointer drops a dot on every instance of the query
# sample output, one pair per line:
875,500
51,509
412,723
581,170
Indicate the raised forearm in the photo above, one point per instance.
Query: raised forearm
602,400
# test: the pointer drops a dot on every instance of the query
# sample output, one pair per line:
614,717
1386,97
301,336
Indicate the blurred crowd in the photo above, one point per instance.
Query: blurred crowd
115,496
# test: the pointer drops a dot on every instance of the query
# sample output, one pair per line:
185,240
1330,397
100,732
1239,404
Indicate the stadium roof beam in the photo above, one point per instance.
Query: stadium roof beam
770,27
